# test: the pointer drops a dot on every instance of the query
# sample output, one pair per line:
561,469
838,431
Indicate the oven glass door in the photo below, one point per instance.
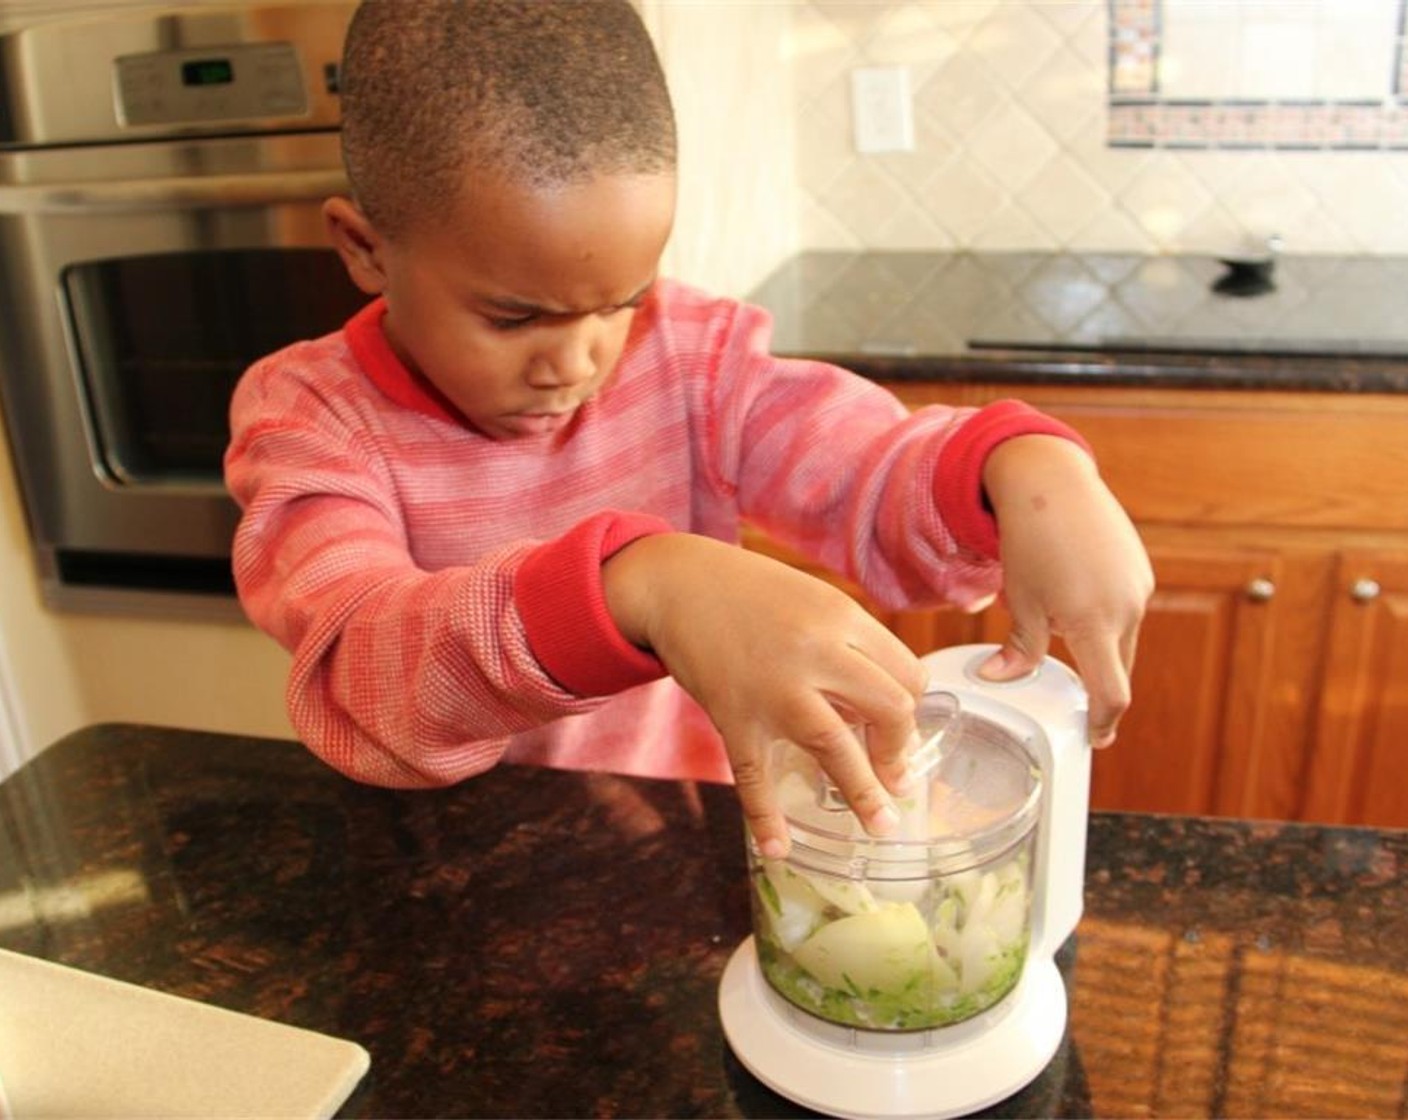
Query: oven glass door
160,341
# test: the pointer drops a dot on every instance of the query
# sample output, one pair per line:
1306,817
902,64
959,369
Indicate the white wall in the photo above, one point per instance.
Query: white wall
218,676
60,670
39,687
731,82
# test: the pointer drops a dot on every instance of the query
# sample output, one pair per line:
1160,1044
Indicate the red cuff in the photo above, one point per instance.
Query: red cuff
559,596
958,483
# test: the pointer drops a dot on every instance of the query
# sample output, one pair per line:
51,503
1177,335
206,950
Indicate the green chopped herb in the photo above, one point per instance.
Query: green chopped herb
769,893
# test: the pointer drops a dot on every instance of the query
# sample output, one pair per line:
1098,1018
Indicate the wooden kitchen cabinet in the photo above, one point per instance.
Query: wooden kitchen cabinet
1272,677
1359,758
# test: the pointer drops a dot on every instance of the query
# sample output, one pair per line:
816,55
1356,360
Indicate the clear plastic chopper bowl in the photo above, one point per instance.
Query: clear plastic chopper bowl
922,929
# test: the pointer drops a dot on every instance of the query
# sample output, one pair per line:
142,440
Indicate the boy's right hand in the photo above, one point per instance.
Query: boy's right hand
771,654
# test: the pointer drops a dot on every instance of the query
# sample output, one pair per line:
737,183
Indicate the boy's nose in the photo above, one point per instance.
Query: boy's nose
571,359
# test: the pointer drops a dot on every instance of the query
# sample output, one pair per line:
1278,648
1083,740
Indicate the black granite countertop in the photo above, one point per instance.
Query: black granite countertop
1328,323
537,943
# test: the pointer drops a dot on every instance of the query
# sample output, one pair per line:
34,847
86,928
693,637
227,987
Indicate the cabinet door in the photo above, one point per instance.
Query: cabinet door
1194,738
1359,767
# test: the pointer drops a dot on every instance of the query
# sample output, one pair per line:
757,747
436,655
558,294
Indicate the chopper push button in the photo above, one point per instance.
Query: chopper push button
970,670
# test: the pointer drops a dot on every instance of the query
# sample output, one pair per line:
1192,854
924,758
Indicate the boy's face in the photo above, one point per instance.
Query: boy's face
517,304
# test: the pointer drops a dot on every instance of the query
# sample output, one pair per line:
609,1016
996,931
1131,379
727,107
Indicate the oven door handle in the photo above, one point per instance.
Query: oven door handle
187,192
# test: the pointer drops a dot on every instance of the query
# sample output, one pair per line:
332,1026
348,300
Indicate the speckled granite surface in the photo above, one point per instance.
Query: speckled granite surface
535,943
1328,323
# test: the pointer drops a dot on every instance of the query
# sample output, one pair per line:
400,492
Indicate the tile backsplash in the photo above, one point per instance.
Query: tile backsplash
1012,120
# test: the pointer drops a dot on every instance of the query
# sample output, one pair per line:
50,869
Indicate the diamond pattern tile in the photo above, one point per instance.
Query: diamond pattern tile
1009,98
1216,232
864,195
1009,227
819,228
1062,292
1071,21
1015,44
962,95
960,196
910,35
1062,198
962,17
1066,96
1165,197
1162,291
824,151
1013,147
908,227
1113,231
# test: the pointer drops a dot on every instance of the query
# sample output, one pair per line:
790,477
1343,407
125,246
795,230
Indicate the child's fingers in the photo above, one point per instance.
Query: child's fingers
885,683
1102,663
753,783
840,754
884,722
840,751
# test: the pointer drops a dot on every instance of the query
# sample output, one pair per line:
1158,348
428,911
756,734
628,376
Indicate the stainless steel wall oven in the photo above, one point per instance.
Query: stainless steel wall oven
161,175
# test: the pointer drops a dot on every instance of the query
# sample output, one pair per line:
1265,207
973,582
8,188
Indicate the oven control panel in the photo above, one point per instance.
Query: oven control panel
242,81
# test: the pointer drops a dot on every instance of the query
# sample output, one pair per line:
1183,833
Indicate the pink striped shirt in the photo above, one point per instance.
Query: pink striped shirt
440,591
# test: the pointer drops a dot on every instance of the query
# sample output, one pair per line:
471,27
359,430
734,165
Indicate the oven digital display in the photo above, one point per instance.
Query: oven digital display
207,72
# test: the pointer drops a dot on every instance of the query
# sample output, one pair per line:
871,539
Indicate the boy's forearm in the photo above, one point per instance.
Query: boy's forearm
631,585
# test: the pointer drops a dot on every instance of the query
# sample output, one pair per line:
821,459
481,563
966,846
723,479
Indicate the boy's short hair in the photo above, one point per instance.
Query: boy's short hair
539,91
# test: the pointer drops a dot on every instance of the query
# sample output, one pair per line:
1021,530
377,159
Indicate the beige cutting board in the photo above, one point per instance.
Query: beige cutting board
74,1044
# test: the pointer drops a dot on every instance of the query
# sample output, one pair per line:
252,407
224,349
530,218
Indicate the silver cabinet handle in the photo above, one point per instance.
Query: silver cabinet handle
1261,590
1364,590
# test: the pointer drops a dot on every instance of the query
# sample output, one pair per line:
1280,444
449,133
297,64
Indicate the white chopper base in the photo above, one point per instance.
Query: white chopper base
899,1074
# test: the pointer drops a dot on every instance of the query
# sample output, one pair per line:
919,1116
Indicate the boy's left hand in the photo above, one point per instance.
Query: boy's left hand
1074,566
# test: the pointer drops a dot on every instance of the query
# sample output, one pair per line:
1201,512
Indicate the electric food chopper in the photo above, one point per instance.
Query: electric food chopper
914,976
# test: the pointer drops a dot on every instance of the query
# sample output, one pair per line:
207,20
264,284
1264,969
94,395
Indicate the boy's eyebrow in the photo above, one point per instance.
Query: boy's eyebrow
524,307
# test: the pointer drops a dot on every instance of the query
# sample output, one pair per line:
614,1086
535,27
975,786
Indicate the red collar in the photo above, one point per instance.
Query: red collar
366,335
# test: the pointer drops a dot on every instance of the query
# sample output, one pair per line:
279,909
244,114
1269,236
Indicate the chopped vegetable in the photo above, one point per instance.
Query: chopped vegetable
792,908
847,896
887,949
831,948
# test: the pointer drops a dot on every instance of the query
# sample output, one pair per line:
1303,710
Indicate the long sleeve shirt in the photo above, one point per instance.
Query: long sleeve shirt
440,591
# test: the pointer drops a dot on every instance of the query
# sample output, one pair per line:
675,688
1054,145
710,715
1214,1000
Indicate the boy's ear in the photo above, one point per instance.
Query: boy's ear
357,243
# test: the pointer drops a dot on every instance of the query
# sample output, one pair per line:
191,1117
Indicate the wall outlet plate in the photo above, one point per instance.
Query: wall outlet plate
882,111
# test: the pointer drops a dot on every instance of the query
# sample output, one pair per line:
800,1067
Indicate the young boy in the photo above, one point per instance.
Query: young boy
496,516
